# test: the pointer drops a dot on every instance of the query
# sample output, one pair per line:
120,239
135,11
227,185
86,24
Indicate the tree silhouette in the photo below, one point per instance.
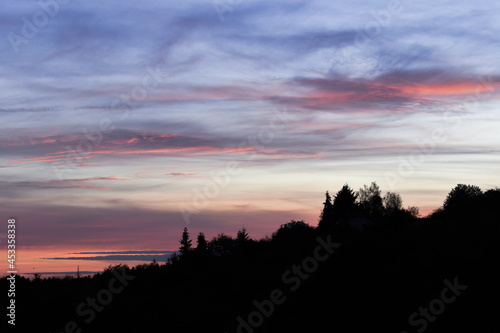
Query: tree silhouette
201,243
221,245
490,204
371,201
461,200
242,237
392,203
185,247
389,269
413,211
293,231
326,217
345,201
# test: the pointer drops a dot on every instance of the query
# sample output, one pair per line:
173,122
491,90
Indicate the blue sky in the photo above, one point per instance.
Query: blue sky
122,122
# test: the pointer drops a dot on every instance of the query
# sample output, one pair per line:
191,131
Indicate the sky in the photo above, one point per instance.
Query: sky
124,122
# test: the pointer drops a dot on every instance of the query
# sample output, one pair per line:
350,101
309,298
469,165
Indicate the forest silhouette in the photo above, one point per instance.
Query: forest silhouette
368,265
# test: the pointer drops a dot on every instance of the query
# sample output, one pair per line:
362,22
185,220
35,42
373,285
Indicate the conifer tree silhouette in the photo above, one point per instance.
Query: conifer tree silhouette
201,243
242,237
326,217
344,201
185,247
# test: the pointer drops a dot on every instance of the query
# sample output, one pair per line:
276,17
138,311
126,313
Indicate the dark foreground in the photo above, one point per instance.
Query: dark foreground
398,273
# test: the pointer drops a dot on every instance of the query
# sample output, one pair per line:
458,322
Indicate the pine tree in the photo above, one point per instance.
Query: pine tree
344,202
202,244
242,237
185,243
326,217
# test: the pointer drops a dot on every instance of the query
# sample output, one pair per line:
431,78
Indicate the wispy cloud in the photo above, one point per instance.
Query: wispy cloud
180,174
125,252
116,256
357,103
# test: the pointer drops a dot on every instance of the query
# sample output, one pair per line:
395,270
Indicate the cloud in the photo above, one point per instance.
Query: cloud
116,257
76,229
180,174
64,273
125,252
47,148
353,111
393,91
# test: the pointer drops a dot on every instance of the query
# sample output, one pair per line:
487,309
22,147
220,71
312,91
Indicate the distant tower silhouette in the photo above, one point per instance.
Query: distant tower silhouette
78,272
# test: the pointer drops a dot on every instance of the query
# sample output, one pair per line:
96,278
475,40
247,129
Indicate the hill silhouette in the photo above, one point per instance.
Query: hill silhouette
369,265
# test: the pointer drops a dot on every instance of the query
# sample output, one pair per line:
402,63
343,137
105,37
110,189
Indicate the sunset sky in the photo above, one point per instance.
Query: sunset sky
123,122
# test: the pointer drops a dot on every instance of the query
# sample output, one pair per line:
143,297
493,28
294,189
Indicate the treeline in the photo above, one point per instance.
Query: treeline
365,209
463,203
388,264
